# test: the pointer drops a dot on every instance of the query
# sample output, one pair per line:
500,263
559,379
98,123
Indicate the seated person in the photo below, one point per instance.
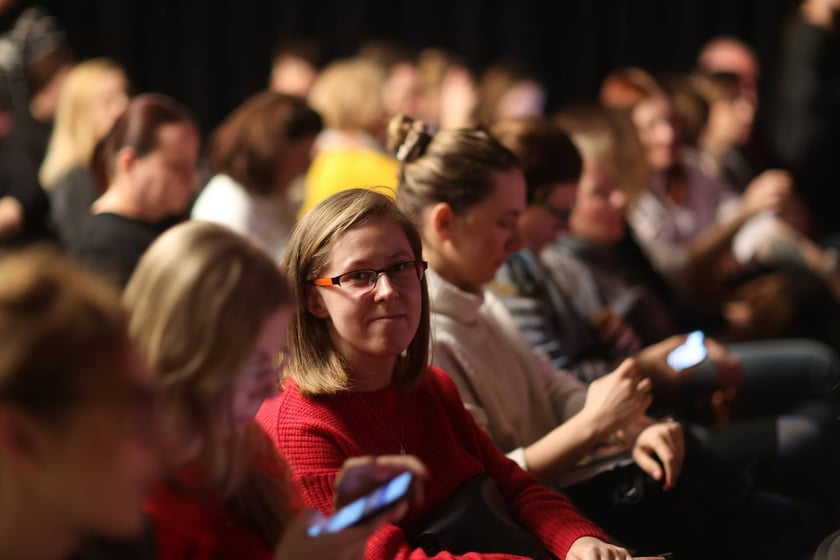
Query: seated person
148,162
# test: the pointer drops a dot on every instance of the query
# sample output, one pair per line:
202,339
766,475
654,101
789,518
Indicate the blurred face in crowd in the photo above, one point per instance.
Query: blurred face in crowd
598,214
726,55
292,75
402,92
730,121
167,175
109,101
654,122
259,377
525,99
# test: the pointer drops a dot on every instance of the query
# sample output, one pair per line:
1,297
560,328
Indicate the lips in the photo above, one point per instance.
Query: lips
389,317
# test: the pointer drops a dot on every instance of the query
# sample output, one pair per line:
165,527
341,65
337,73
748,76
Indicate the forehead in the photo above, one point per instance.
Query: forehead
652,108
371,244
507,193
562,195
177,139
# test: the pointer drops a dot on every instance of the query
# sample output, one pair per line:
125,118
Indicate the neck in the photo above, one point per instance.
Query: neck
29,528
120,199
373,376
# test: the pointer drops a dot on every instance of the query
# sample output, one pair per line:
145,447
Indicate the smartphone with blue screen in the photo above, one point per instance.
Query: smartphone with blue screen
366,507
689,353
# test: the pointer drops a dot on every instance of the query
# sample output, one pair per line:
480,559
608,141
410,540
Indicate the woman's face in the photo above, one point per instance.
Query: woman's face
598,214
654,122
483,237
525,99
367,326
259,376
167,175
110,100
103,460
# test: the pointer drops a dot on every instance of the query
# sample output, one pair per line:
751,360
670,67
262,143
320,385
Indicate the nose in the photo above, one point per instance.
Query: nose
618,199
665,132
384,286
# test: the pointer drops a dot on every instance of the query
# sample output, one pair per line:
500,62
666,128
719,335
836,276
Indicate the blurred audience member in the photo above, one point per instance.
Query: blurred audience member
401,90
294,66
508,90
147,166
257,152
807,131
349,151
27,32
448,90
94,95
78,436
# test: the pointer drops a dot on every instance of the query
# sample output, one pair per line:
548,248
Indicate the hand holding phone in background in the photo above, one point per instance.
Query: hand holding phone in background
688,354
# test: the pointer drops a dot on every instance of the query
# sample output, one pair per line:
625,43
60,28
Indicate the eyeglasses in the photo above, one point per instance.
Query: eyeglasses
402,274
562,214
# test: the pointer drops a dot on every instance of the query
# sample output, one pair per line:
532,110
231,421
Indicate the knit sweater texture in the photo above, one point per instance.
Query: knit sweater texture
316,435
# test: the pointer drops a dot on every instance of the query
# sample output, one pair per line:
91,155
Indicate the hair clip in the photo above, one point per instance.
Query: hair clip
415,142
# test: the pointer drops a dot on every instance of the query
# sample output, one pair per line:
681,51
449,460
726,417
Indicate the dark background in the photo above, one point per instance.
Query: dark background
212,54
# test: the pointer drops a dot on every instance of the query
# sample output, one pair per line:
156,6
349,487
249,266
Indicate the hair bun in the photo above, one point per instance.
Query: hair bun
408,138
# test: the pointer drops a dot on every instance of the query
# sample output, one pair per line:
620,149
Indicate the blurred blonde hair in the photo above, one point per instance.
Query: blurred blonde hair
348,95
73,137
63,333
198,300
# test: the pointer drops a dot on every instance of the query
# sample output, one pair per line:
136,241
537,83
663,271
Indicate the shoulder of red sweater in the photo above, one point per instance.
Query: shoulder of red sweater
440,378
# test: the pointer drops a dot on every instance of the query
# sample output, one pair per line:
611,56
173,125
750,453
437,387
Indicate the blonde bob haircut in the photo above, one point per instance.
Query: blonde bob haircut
73,137
314,363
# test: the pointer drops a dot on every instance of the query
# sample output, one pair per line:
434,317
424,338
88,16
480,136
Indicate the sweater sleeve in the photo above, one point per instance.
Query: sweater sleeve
548,515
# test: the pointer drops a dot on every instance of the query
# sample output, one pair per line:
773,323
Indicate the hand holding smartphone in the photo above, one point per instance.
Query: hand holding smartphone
688,354
385,497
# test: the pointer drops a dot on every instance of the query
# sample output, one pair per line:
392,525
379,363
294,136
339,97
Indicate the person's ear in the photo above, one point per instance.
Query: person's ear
22,439
442,218
125,160
314,302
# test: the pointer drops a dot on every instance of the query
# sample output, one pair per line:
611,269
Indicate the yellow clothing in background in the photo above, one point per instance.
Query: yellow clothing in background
334,170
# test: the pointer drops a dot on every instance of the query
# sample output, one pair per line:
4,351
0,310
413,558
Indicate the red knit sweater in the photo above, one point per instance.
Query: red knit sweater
190,527
316,435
